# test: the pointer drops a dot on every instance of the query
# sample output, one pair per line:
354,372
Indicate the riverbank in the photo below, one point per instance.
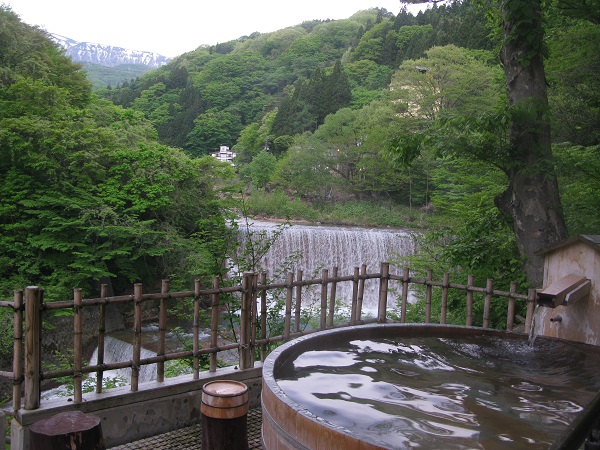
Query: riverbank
278,207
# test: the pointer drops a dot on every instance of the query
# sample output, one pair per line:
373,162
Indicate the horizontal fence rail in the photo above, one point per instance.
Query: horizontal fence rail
253,295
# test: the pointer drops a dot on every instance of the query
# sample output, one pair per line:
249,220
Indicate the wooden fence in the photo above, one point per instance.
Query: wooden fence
28,306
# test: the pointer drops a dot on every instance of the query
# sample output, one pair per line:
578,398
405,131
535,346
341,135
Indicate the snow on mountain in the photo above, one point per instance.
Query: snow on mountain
107,55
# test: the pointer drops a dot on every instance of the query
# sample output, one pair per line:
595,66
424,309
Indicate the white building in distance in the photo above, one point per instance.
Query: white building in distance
224,154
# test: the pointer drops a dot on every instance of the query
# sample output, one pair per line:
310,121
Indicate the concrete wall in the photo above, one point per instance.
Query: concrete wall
154,409
580,320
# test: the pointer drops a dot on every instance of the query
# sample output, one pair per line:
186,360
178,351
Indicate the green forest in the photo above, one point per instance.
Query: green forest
380,119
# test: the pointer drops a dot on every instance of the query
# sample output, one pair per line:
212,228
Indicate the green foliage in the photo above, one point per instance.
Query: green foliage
374,44
205,98
278,204
303,169
6,337
520,18
448,82
362,213
572,70
261,168
588,10
25,51
413,41
211,130
579,182
311,101
481,245
102,77
85,189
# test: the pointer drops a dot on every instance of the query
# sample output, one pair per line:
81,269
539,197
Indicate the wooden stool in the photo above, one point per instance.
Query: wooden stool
224,411
71,430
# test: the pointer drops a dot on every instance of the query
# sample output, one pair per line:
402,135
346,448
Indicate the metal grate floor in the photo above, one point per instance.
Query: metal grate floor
191,437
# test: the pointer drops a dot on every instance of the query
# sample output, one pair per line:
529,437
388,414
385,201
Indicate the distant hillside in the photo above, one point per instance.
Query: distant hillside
102,77
285,83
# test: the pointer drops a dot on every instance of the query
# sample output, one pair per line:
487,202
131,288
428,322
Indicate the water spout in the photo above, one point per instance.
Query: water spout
567,290
556,319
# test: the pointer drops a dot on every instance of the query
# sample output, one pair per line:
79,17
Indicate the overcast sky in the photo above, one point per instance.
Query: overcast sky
174,27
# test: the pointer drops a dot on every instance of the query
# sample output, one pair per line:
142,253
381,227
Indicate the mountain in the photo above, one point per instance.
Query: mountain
107,55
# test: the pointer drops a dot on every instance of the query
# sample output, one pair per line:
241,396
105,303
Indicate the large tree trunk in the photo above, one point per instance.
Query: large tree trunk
531,198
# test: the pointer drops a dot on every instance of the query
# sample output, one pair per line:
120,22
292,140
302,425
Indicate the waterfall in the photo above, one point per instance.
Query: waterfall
324,247
116,350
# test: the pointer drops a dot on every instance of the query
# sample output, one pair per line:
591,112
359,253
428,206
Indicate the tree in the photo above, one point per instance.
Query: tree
412,41
303,169
355,139
311,101
211,130
261,168
448,82
531,199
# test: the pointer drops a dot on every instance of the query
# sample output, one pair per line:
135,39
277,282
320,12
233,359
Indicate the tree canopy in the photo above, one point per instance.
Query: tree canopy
86,191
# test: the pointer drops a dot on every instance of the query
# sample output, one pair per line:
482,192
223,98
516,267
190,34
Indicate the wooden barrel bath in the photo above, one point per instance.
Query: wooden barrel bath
299,413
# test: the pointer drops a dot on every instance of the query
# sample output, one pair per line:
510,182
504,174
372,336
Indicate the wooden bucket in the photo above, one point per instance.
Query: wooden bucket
224,399
224,411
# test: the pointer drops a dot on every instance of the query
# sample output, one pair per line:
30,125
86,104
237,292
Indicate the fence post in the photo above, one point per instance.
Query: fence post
324,277
17,349
428,292
530,309
287,324
510,315
33,337
361,290
298,310
405,283
263,315
332,295
162,330
214,324
2,429
383,290
101,333
354,312
252,321
196,331
77,345
444,298
470,281
488,303
245,349
137,335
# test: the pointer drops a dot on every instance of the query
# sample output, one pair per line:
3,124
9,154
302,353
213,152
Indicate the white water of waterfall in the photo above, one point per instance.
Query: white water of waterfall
325,247
116,350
